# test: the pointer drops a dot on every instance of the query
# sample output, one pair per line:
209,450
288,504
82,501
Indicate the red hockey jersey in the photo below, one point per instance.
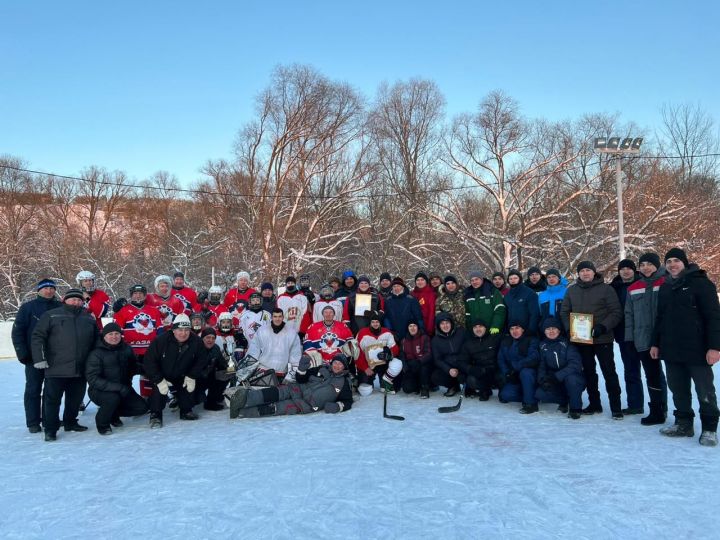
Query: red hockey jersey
168,307
328,341
188,297
98,305
140,326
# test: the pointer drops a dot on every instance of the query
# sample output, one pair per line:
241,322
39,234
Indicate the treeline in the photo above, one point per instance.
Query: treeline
323,178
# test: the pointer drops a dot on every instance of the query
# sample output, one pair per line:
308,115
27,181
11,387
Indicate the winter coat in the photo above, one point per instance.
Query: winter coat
27,317
522,307
416,348
400,311
63,338
446,347
551,300
276,350
107,366
595,298
319,385
516,354
560,358
621,289
426,297
166,358
479,352
357,322
486,304
452,303
538,287
688,318
641,309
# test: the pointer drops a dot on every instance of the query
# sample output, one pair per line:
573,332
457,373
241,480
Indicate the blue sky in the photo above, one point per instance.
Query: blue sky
165,85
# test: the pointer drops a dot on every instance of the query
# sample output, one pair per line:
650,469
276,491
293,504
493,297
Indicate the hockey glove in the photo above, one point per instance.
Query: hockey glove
41,365
599,330
494,331
163,387
189,385
119,304
333,407
304,363
202,297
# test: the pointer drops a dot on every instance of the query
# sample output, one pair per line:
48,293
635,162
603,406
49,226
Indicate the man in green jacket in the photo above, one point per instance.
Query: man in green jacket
484,302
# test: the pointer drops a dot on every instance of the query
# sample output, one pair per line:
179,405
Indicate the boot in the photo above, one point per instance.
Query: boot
575,414
633,410
451,392
709,438
529,408
117,423
104,430
592,409
656,416
75,427
189,416
424,392
50,436
617,415
563,409
683,427
484,395
155,421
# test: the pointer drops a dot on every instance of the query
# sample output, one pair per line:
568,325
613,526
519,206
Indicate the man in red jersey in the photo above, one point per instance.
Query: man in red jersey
184,293
97,302
167,304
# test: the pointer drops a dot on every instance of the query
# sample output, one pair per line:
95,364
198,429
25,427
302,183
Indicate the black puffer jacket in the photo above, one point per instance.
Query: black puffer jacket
64,338
168,359
27,317
446,347
688,317
599,300
107,366
480,352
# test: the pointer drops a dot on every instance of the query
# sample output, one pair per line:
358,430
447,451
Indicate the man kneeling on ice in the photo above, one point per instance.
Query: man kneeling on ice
317,387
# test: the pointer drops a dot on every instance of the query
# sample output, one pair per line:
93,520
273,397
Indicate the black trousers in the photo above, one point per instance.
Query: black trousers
214,388
157,401
441,377
655,379
415,376
74,390
33,394
679,375
604,354
112,406
480,379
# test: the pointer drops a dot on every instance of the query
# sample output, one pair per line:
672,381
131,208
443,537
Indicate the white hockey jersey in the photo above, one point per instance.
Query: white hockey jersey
252,321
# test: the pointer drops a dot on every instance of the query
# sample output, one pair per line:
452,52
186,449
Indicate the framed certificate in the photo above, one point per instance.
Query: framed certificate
362,304
581,325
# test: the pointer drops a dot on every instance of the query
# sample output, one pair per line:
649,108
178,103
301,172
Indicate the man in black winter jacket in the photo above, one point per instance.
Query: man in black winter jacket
61,343
446,346
107,375
687,337
27,317
175,358
478,360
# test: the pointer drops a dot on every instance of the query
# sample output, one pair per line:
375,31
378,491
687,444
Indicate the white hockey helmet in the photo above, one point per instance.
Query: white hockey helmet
215,294
163,279
365,389
225,321
82,276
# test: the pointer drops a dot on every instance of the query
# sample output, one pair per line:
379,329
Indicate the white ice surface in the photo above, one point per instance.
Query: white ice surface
483,472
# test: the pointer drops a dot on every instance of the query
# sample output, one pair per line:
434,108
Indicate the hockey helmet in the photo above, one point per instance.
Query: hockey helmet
85,275
327,292
215,294
255,302
225,321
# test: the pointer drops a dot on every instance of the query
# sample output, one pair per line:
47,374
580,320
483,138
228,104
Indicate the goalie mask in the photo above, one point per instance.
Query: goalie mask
255,302
225,322
197,321
215,294
84,275
304,281
326,292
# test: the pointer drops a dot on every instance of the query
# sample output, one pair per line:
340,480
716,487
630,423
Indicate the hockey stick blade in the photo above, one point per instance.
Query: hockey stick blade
451,408
390,416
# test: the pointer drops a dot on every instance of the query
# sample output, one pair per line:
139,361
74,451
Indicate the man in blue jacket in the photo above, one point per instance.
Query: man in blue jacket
25,321
400,309
522,304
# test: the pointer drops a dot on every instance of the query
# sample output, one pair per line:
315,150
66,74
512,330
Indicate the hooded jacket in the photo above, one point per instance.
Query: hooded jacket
551,300
484,303
522,306
446,347
595,298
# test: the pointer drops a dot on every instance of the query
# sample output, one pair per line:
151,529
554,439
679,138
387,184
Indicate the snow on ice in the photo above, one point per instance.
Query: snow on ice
484,471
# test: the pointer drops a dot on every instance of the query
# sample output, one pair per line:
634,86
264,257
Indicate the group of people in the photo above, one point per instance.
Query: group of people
260,353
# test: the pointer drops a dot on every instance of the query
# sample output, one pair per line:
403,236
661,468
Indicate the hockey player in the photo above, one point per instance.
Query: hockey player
97,302
318,387
293,303
306,289
185,294
254,317
327,298
197,322
276,346
378,352
141,323
231,341
214,306
167,304
327,337
241,292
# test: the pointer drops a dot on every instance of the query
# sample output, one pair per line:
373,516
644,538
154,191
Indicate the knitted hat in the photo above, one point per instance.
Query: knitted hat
652,258
553,272
340,357
498,274
515,272
476,274
450,277
677,253
73,293
178,274
586,264
398,281
241,275
479,322
290,279
373,315
364,278
181,321
110,327
385,275
45,283
551,322
516,323
208,331
266,286
533,270
348,273
435,275
627,263
421,275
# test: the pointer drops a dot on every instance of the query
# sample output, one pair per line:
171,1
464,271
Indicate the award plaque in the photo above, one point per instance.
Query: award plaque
363,303
581,325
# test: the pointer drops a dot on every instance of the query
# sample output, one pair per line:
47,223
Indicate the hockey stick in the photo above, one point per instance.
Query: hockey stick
456,407
385,414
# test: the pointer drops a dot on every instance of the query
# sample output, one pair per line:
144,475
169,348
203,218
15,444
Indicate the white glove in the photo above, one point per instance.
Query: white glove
41,365
163,387
189,385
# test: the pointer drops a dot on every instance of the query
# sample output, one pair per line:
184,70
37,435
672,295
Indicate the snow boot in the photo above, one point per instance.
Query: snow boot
155,421
683,427
34,429
633,410
117,423
50,436
484,395
469,392
451,391
709,438
592,409
617,415
656,416
104,430
563,409
529,408
575,414
424,392
75,427
189,415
